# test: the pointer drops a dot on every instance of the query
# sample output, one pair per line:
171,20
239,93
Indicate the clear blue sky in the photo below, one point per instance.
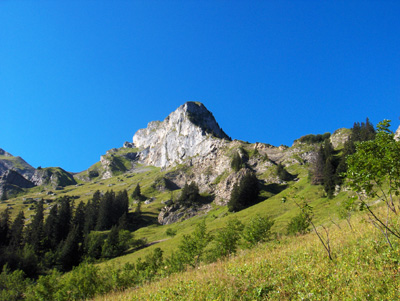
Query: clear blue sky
80,77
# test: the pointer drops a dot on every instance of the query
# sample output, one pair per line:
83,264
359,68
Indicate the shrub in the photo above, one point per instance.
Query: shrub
227,238
170,232
301,222
258,230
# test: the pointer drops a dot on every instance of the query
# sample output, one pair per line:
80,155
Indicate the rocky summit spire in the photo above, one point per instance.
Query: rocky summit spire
189,131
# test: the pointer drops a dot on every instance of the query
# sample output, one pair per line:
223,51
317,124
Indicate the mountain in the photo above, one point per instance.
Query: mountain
11,183
189,131
17,175
8,161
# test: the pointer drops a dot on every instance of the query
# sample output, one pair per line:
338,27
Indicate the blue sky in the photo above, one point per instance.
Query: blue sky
80,77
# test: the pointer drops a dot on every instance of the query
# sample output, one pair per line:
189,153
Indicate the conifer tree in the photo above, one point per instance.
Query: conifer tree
92,212
69,253
35,232
51,231
17,231
105,217
136,194
4,227
64,218
245,194
78,220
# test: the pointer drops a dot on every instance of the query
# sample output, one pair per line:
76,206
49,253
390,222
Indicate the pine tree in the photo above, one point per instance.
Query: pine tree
136,194
64,218
121,205
51,231
329,177
35,232
4,227
318,167
92,212
106,212
69,253
245,194
236,162
78,220
17,231
111,245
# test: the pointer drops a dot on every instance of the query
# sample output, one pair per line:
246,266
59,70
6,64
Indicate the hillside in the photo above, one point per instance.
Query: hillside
177,174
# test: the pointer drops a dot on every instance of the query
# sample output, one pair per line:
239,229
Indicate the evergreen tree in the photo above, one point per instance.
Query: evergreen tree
190,195
17,231
110,247
318,167
4,227
136,194
123,222
64,218
105,217
35,232
51,231
236,162
69,253
245,194
92,212
329,177
121,205
78,220
283,173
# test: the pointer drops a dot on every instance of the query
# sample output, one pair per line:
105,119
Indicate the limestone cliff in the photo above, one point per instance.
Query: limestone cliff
397,134
189,131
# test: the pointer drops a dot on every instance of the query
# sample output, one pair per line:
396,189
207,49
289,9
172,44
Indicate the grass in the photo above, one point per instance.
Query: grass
364,268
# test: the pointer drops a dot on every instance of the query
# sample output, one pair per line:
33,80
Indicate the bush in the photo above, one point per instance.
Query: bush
12,284
258,230
227,238
301,222
170,232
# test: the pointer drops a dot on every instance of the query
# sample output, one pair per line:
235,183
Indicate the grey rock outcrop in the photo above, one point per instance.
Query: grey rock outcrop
189,131
12,182
4,153
54,176
172,214
14,178
8,162
397,134
339,137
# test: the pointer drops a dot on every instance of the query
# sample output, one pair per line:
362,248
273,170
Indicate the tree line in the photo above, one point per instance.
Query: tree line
330,166
65,236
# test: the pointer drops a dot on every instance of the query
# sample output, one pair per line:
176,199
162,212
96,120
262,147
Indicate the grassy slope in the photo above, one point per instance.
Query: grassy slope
364,268
252,271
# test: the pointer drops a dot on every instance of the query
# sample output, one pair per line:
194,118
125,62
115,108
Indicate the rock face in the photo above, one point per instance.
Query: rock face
8,162
397,134
172,214
188,132
339,137
54,176
12,182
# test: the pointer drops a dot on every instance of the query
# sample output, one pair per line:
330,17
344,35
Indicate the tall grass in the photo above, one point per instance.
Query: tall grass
364,267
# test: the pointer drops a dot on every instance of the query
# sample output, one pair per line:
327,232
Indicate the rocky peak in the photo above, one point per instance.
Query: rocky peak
4,153
14,178
189,131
